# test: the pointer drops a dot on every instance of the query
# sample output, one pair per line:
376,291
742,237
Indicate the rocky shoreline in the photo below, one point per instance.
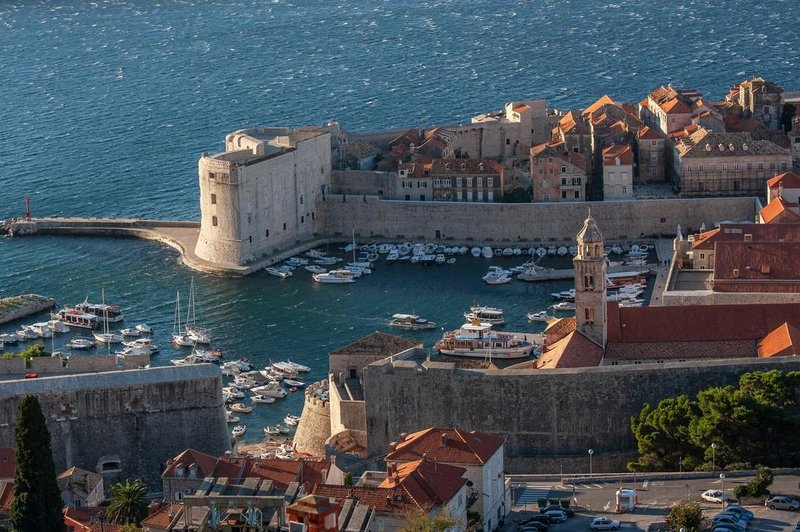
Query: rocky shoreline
17,307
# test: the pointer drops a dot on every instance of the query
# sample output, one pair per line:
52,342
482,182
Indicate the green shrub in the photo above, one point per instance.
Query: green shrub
541,503
565,503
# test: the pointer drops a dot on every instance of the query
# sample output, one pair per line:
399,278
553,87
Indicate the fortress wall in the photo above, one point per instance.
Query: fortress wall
682,298
532,222
359,182
315,423
11,366
125,424
550,418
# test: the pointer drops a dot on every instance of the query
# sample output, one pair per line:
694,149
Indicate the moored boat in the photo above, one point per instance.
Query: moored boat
144,328
76,318
81,343
239,430
132,331
542,315
262,399
335,277
410,322
564,305
491,315
107,313
241,408
58,326
477,339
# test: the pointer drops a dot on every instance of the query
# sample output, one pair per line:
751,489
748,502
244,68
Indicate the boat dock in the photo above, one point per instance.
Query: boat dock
17,307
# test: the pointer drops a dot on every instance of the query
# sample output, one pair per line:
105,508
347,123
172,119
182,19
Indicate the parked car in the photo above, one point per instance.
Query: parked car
724,527
781,502
604,523
729,519
556,516
31,375
716,496
735,508
540,518
740,518
534,526
797,527
569,511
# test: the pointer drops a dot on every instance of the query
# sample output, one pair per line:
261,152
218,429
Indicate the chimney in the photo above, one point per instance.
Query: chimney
391,470
444,439
780,189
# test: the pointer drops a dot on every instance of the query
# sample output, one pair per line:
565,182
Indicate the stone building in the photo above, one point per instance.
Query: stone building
762,100
260,194
468,180
557,175
617,172
710,163
668,109
80,488
652,156
506,135
574,133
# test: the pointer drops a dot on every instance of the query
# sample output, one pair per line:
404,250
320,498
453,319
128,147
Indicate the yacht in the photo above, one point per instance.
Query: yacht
76,318
290,366
477,339
146,343
131,331
335,277
144,328
542,315
41,329
491,315
107,313
262,399
564,295
411,322
273,389
293,383
564,305
239,430
58,326
81,343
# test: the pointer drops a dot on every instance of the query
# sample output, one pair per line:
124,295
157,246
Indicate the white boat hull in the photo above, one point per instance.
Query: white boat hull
514,352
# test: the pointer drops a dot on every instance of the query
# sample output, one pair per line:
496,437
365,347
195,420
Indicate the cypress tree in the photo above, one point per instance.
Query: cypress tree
37,502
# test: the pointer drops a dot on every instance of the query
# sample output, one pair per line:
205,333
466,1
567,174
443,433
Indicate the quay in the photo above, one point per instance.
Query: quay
17,307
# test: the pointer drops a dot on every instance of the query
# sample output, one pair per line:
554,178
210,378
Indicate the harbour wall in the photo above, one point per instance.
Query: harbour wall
125,424
550,418
314,427
17,307
524,222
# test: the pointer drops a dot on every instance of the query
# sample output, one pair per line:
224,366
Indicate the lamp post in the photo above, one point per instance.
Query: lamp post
722,480
591,452
713,457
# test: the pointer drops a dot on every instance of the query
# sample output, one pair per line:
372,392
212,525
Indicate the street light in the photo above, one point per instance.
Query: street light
713,456
722,479
591,452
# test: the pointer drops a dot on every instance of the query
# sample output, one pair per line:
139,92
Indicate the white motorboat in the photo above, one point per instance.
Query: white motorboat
239,430
144,328
230,417
315,254
291,420
476,252
410,322
130,332
271,431
487,252
507,252
334,277
241,408
262,399
26,334
296,261
288,365
283,274
41,329
542,315
237,366
293,383
9,338
541,252
273,389
327,261
232,392
142,343
313,268
451,260
552,250
491,315
81,343
497,278
565,295
562,250
108,337
58,326
477,339
564,305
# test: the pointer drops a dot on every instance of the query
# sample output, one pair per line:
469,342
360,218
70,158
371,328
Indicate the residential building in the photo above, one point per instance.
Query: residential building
557,175
701,248
506,135
414,181
472,180
762,100
668,109
617,172
418,486
479,453
783,200
710,163
652,156
574,133
80,488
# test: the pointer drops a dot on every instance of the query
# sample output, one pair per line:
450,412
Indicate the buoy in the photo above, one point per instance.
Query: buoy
293,389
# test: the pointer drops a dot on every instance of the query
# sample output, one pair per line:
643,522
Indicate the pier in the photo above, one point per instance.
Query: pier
17,307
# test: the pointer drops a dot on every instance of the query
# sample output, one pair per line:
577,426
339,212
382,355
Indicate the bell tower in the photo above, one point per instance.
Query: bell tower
590,284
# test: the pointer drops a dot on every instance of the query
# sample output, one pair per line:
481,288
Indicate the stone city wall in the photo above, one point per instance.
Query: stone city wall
550,418
314,427
531,222
359,182
125,424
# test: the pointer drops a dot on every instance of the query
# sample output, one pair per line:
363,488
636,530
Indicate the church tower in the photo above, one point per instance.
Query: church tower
590,284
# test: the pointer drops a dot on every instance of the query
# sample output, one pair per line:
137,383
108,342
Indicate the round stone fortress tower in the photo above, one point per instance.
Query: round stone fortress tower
315,422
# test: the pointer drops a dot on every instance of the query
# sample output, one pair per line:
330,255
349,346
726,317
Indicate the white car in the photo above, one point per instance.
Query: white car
604,523
715,496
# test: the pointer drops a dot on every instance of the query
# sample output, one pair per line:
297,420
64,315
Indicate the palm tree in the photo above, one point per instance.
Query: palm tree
128,502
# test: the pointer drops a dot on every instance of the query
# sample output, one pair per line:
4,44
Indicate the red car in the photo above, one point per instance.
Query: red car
31,375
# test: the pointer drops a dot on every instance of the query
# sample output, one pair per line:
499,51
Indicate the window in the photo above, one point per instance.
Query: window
654,172
508,141
563,194
563,180
422,197
577,195
469,182
408,198
302,219
266,233
547,197
214,221
702,256
213,199
301,199
479,181
653,143
284,226
624,190
110,465
437,183
458,182
563,169
313,217
446,182
490,182
179,496
424,184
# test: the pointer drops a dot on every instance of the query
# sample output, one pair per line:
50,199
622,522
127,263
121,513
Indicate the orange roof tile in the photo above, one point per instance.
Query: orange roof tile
647,133
774,232
778,210
782,341
521,108
573,351
605,99
448,445
675,106
205,463
621,152
163,516
787,179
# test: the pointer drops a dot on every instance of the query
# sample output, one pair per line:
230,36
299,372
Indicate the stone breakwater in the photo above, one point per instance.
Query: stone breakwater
17,307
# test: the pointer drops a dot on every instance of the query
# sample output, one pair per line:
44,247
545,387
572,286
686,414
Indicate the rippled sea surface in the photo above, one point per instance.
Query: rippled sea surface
106,106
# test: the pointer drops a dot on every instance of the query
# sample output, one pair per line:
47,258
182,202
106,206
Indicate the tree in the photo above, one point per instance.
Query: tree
686,514
128,502
662,436
424,522
517,195
37,501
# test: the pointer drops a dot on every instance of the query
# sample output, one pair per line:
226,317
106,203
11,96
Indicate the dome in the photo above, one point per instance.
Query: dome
589,232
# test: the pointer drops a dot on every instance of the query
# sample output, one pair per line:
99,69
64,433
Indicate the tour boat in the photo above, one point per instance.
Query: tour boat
335,277
241,408
107,313
477,339
81,343
239,430
542,315
76,318
410,322
491,315
262,399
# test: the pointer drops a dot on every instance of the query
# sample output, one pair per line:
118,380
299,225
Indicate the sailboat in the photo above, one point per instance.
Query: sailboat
179,336
198,334
105,336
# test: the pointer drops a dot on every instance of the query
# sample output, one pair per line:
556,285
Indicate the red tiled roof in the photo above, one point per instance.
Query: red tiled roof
787,179
80,520
448,445
649,134
757,267
284,472
675,106
7,461
622,152
521,108
783,341
697,323
558,329
736,233
418,485
569,123
605,99
573,351
205,463
778,210
163,517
